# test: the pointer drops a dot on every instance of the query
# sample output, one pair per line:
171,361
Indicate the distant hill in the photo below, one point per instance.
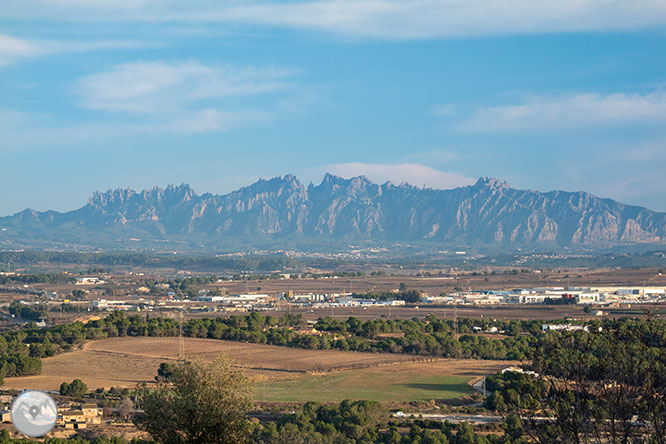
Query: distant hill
282,212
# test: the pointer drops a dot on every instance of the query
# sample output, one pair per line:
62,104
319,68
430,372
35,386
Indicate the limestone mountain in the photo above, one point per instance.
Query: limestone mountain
282,210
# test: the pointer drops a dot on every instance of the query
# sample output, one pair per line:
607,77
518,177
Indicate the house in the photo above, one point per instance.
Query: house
6,416
92,413
79,418
89,281
72,419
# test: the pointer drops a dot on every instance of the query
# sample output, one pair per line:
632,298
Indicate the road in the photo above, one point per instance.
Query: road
453,418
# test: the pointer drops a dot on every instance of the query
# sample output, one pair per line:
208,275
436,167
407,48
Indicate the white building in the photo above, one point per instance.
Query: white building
563,327
89,281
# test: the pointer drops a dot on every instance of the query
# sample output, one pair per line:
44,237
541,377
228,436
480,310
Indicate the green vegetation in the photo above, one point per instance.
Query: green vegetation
75,389
86,261
26,311
165,371
376,384
4,439
42,278
362,422
201,403
430,337
403,294
603,386
19,351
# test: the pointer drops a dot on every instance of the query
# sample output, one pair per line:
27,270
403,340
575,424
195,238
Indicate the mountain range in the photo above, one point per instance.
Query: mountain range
282,212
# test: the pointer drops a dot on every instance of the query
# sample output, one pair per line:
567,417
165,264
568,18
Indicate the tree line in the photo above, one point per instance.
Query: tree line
429,337
607,385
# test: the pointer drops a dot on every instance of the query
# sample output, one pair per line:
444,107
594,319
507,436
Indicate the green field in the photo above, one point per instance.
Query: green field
377,384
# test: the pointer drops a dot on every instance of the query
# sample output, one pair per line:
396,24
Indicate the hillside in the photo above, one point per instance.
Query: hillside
283,213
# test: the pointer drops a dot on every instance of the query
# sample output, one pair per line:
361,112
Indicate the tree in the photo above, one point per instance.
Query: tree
76,388
203,403
78,294
603,386
125,409
165,371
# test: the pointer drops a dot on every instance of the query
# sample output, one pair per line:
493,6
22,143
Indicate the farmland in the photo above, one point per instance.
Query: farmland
279,373
440,379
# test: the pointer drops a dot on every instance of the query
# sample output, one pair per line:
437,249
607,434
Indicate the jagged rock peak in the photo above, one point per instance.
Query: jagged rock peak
491,182
356,181
281,208
122,195
181,192
118,195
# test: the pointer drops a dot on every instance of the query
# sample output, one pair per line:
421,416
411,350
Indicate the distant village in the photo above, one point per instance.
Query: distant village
256,301
88,293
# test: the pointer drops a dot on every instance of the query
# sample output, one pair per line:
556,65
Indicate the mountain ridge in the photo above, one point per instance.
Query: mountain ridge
281,210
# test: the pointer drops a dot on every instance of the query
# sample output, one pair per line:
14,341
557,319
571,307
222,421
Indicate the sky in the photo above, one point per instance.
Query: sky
98,94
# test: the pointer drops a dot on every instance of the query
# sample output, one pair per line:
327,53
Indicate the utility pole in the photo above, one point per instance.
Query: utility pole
181,341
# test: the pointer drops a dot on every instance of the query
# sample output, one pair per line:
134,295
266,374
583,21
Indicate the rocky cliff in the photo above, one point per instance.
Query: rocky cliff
282,209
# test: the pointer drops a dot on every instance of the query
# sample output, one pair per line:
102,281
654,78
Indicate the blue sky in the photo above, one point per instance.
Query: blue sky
547,95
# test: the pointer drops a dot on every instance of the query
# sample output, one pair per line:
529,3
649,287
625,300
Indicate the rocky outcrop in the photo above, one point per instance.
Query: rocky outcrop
489,212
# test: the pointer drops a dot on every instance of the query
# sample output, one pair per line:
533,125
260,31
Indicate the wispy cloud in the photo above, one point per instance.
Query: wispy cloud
13,49
444,109
183,97
413,173
385,19
22,130
570,111
144,98
651,152
158,86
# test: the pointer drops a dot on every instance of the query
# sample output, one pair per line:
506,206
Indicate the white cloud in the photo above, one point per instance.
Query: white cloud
158,87
182,97
12,49
444,109
179,98
655,151
23,130
570,111
208,120
413,173
390,19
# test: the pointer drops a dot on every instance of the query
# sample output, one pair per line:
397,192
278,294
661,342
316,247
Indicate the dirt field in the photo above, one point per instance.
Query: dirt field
277,371
123,362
